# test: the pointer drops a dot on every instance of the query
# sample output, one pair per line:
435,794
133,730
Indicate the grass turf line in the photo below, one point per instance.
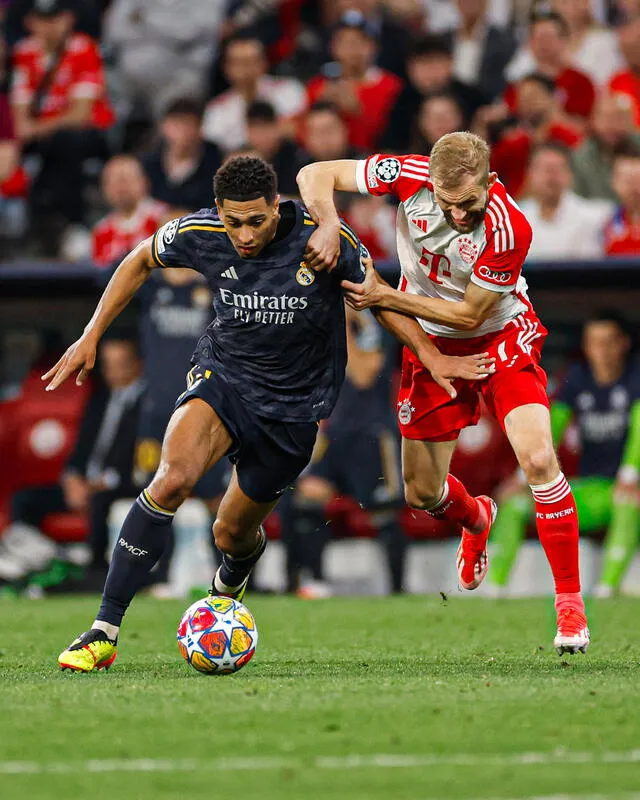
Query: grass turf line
406,677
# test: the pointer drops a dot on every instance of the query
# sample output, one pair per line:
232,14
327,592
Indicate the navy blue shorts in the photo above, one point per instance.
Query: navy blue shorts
364,464
269,455
151,429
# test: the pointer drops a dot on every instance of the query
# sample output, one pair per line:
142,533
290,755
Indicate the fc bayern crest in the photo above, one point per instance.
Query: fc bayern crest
387,170
468,250
405,412
304,275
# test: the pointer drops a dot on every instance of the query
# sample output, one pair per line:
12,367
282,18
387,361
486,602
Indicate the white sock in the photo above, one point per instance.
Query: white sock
111,630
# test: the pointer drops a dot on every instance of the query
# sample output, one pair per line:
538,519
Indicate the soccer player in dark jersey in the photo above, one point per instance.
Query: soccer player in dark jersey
267,369
358,455
602,396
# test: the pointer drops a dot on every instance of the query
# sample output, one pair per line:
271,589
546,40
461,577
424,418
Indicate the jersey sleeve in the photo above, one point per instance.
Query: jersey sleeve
352,251
401,176
175,244
509,237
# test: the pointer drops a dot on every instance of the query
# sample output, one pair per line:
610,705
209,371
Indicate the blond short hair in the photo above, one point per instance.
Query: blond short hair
457,154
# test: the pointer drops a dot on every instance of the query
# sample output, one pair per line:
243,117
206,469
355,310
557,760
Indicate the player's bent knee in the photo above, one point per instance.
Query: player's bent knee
422,497
172,484
539,464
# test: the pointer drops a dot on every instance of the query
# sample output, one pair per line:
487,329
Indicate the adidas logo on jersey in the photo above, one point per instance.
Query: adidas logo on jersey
230,273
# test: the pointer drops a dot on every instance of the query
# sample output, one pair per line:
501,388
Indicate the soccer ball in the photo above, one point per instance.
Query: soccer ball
217,635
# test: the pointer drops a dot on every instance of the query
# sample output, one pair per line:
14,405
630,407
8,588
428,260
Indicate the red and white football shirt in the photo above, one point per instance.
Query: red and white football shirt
116,235
79,75
436,260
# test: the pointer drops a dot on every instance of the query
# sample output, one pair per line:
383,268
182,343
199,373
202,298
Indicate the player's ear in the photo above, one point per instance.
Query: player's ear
276,204
218,207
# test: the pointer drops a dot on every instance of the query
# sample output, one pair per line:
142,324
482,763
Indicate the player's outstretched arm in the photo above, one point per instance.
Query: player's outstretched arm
465,315
317,183
125,282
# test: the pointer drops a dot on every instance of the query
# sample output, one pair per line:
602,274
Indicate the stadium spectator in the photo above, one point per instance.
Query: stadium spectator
622,234
602,396
163,49
429,70
547,53
480,50
565,226
374,221
100,468
245,68
364,93
439,114
445,17
538,120
325,136
134,214
592,49
626,83
180,169
392,34
358,455
61,111
267,139
612,131
87,15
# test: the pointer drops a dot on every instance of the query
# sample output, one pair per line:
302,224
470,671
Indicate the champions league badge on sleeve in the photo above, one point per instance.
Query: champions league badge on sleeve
387,170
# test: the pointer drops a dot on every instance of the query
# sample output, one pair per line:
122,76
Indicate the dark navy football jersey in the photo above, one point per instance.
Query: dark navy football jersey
172,320
602,415
367,409
278,334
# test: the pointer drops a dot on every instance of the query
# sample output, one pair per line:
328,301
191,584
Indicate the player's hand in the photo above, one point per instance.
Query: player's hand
444,369
370,292
323,248
80,357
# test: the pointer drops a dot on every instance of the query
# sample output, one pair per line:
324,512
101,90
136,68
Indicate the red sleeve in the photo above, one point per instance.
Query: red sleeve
508,240
88,80
401,176
315,87
100,239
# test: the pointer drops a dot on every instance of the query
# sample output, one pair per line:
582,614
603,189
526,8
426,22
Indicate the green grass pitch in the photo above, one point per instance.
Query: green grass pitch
408,698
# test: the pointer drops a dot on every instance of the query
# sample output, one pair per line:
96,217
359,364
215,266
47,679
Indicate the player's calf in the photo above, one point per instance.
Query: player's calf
232,576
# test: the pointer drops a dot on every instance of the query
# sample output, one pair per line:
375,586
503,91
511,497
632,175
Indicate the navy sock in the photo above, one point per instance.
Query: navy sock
233,571
394,541
144,535
313,534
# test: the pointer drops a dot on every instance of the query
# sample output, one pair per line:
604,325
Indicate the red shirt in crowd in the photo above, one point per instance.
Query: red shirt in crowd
376,94
575,90
79,75
116,235
17,183
628,83
622,235
510,156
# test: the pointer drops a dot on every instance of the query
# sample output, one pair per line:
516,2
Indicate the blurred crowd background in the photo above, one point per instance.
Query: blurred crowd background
114,116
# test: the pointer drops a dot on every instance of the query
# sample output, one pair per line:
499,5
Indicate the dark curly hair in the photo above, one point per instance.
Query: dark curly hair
243,178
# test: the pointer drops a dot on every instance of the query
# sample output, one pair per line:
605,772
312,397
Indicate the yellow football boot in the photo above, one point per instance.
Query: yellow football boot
92,650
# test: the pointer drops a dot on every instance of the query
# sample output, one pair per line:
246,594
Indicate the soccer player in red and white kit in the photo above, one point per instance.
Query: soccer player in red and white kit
462,242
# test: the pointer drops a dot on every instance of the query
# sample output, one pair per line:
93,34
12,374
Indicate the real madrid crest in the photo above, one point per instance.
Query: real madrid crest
304,275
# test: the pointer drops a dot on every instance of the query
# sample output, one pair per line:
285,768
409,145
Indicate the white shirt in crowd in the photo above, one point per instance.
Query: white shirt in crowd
224,120
575,231
598,57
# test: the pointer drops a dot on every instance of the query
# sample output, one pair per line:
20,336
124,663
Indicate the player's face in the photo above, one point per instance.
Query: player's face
250,224
605,346
465,206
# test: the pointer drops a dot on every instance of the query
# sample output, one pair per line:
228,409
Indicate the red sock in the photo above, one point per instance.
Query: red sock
557,524
457,505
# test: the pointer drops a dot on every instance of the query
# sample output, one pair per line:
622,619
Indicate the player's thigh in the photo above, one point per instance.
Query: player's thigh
528,428
424,468
239,516
195,440
594,501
